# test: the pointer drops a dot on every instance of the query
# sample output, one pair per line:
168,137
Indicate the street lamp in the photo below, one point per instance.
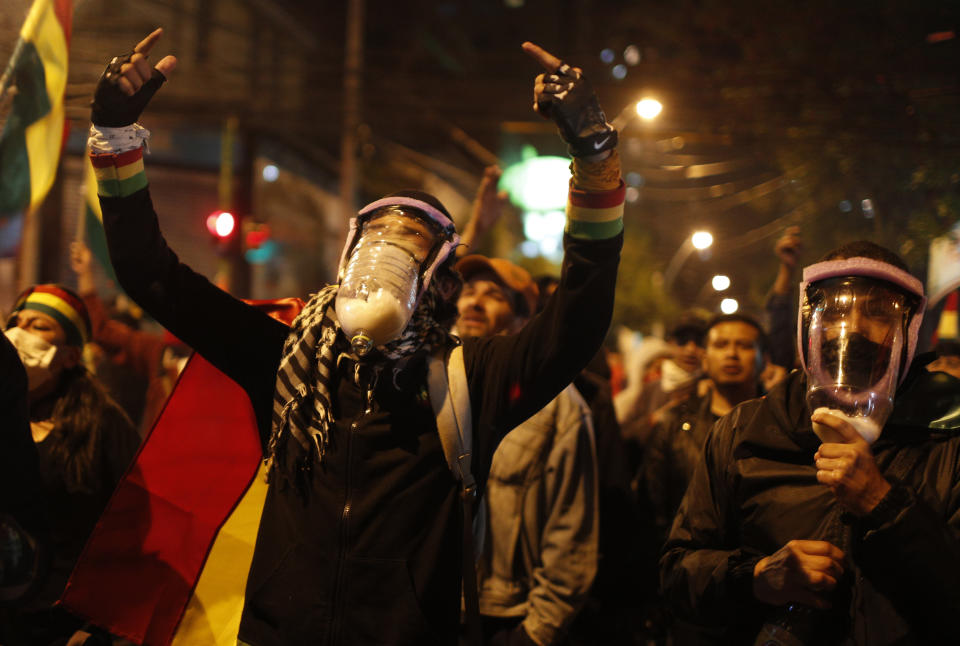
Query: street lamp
648,108
729,305
699,241
720,282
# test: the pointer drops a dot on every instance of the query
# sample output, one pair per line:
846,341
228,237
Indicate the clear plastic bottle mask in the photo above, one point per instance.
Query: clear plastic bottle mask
855,347
380,284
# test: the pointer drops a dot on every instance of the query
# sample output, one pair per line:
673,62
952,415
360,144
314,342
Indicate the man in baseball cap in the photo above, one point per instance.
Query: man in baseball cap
498,296
533,580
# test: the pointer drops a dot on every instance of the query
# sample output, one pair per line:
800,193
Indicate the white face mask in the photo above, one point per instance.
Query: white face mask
673,377
38,357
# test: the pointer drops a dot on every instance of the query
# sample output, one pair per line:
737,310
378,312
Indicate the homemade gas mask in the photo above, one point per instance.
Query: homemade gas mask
37,356
858,326
393,249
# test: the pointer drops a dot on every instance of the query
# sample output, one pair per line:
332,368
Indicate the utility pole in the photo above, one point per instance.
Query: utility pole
352,86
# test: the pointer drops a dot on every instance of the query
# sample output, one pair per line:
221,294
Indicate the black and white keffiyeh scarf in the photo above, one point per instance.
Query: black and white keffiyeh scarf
302,399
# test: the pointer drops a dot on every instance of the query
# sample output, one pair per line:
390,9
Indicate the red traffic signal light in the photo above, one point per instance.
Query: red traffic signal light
221,224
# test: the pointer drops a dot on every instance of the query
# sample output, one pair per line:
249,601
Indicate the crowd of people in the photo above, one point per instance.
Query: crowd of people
449,456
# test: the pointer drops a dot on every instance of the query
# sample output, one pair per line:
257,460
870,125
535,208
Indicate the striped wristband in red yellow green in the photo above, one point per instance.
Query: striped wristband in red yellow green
119,175
595,215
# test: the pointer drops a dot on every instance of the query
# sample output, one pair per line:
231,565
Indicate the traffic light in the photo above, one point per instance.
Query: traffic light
258,246
221,224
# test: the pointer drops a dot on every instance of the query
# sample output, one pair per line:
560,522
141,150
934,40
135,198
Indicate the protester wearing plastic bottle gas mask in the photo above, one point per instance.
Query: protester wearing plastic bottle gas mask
859,320
772,547
394,248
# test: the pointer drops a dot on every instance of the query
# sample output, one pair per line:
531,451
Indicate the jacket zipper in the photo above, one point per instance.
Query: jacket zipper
337,600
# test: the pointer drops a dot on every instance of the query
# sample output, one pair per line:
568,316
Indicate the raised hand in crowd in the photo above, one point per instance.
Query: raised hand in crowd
788,248
128,84
563,94
486,210
80,263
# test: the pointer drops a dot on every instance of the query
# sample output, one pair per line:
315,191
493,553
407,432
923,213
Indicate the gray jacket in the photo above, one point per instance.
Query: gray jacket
539,553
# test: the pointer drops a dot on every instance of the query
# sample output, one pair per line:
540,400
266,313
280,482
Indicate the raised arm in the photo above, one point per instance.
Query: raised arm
239,340
516,376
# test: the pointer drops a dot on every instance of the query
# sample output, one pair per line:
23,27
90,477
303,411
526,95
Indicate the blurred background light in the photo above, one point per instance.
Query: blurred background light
270,173
649,108
701,240
729,305
720,282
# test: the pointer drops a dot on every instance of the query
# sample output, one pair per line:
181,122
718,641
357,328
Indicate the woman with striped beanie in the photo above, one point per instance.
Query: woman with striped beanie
84,442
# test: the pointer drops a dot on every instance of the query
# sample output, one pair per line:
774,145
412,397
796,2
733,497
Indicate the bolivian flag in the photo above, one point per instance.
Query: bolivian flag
34,132
167,563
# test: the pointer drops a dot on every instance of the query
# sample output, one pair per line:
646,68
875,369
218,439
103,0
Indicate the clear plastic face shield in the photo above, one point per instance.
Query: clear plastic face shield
393,249
857,338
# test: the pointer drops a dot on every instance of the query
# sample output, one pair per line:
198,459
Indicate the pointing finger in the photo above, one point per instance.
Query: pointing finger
145,45
547,60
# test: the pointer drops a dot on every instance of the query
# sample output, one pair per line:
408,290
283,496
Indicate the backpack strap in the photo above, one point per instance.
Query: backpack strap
450,398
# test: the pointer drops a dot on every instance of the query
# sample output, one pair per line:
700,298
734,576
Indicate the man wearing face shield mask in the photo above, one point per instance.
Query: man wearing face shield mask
827,512
359,541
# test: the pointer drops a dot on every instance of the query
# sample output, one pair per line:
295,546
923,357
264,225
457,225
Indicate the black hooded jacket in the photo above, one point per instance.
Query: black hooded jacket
370,553
756,490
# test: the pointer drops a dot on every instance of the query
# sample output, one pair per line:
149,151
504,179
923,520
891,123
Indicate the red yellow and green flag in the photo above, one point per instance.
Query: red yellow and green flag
167,563
34,132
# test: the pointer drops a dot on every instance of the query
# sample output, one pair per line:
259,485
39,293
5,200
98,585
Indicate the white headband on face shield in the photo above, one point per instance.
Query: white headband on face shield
451,238
866,268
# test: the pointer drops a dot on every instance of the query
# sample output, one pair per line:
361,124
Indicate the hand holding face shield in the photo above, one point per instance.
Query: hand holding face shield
859,320
393,249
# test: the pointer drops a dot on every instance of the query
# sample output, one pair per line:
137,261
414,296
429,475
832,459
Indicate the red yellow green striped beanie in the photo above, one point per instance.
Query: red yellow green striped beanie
60,303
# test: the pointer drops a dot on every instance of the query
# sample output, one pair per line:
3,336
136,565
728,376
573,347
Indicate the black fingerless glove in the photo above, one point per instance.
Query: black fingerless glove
114,109
575,109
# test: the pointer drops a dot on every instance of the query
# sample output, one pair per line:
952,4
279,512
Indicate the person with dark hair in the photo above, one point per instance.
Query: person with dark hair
732,361
360,540
539,554
827,511
83,440
641,406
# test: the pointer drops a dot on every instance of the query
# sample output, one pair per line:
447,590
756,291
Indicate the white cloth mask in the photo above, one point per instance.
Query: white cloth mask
673,377
37,356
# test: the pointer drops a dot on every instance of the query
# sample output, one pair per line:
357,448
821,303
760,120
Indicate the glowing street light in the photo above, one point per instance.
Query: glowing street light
729,305
701,240
649,108
720,282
